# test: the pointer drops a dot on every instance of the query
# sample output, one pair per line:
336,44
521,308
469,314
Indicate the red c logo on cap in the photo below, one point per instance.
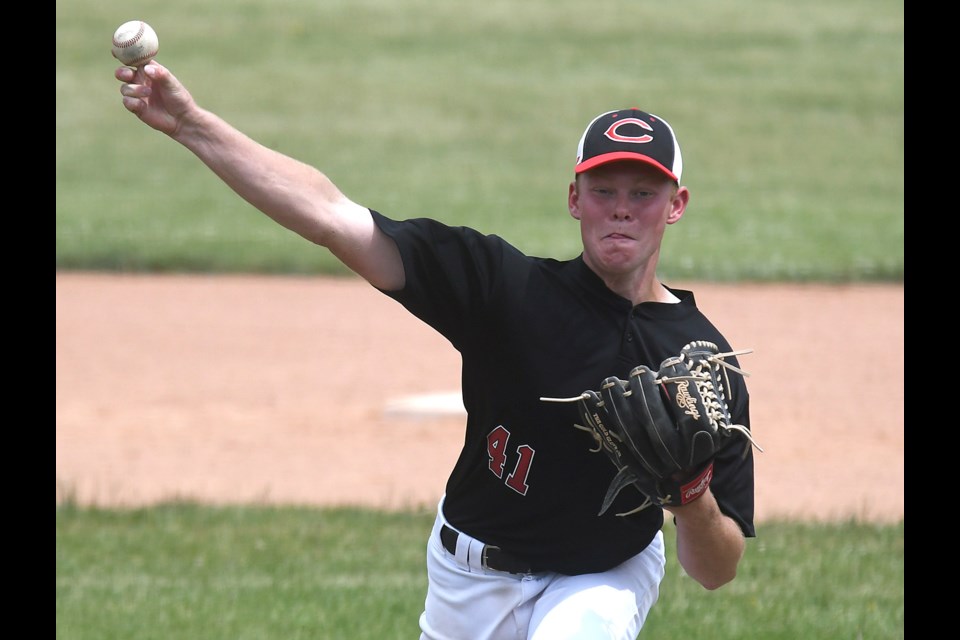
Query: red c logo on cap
611,132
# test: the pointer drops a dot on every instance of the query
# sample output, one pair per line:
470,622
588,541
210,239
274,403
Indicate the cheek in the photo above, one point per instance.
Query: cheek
652,216
589,218
590,210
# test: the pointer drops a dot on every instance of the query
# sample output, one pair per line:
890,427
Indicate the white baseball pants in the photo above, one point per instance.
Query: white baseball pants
468,602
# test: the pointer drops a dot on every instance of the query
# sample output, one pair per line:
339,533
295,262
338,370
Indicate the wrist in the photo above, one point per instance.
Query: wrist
704,507
694,487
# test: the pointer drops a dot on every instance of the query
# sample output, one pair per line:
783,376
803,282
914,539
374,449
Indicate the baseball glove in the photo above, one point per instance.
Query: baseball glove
662,429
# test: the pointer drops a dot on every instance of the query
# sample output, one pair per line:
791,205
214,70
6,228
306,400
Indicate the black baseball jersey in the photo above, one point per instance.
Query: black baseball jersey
526,328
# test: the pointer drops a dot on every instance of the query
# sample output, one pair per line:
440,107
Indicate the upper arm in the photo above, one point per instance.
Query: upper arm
359,244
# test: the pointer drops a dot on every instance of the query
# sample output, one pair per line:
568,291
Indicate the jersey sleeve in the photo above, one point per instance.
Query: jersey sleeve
451,273
733,480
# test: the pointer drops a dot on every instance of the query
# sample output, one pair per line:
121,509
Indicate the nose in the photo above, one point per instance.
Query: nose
621,210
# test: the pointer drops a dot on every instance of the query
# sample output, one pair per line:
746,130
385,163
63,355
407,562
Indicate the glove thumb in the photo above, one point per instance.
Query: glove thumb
702,449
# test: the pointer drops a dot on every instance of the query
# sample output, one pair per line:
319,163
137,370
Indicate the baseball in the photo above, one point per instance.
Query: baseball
135,43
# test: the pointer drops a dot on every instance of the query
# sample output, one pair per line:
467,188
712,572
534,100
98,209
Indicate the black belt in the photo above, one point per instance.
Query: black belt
492,557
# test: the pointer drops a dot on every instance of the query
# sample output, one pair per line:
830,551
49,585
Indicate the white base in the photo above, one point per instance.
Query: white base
428,405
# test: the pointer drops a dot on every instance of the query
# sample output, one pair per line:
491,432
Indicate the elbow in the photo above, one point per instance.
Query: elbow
714,585
714,582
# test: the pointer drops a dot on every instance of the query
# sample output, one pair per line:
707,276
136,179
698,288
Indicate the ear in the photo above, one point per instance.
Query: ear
573,201
678,205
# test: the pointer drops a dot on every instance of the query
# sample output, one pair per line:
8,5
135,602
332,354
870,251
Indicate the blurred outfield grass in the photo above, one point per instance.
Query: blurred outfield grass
790,117
182,570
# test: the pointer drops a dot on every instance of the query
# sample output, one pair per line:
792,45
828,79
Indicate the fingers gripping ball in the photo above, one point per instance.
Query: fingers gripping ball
135,43
662,429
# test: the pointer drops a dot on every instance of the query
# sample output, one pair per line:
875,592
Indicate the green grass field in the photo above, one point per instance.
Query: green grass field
189,571
790,116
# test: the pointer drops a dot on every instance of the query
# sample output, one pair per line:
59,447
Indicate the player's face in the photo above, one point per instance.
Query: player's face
623,209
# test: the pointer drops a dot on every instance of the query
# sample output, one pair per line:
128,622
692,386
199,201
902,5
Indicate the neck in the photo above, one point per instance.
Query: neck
638,289
636,286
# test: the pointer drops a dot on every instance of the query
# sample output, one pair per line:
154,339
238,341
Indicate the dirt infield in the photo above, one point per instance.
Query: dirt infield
266,389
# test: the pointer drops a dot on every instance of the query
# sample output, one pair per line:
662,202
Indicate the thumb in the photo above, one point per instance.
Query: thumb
156,72
161,78
702,448
167,90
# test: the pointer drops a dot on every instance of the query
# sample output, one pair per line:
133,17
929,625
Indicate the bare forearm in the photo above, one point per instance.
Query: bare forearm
709,544
292,193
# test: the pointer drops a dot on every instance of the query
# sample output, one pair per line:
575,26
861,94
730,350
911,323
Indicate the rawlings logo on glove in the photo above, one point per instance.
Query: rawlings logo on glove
687,402
666,453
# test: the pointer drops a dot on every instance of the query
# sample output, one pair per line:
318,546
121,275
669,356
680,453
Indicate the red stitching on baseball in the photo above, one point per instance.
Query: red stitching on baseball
132,41
146,56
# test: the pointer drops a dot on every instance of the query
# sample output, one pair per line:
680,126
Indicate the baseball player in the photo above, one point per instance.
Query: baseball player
518,549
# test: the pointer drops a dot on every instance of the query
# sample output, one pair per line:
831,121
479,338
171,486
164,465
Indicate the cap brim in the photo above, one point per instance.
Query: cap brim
605,158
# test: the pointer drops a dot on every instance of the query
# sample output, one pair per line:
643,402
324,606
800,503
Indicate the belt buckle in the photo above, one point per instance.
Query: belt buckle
483,555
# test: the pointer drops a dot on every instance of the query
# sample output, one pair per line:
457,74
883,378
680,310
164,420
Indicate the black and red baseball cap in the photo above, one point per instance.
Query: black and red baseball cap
630,134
